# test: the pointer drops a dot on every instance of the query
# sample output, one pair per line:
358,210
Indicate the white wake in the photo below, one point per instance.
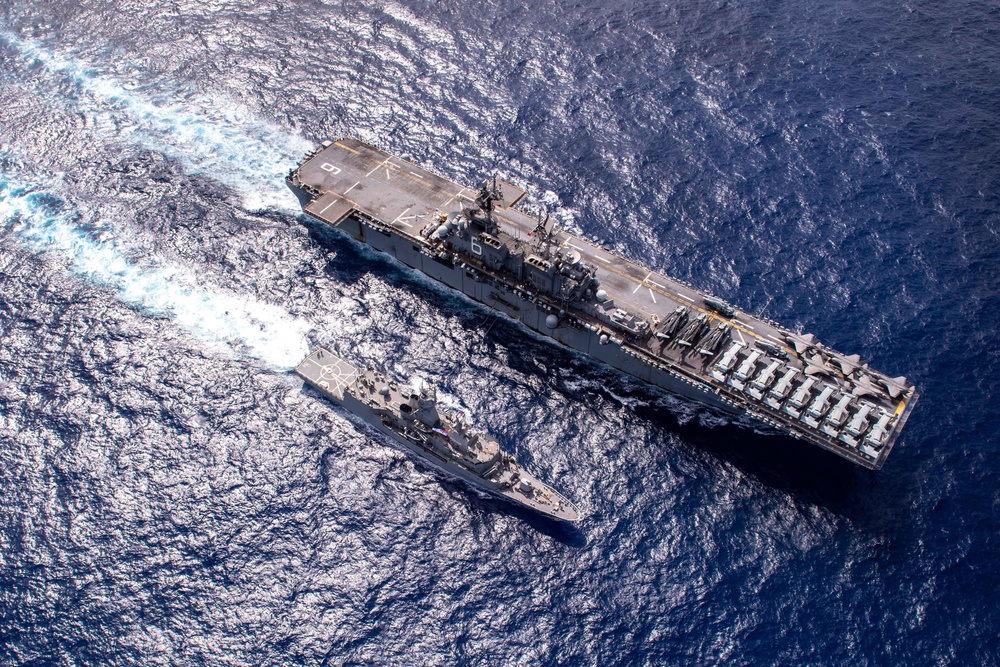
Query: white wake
206,135
225,321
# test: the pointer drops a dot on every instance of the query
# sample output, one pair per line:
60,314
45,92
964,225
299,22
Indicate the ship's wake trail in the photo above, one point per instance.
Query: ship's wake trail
211,136
225,321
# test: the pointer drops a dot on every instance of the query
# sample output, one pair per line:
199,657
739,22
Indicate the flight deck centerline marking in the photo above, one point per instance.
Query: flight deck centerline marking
683,296
352,187
776,339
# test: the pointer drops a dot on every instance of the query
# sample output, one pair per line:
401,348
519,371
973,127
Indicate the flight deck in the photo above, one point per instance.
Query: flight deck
566,287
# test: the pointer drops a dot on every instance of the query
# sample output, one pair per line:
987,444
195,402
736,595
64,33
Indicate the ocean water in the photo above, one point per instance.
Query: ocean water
171,495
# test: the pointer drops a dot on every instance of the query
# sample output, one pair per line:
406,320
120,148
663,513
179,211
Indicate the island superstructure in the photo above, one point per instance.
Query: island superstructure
412,417
654,327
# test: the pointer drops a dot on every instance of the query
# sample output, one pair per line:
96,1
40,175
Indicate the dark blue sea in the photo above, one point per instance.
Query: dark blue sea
169,493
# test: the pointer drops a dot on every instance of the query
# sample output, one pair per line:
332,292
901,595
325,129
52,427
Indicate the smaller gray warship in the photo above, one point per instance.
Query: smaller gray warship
439,435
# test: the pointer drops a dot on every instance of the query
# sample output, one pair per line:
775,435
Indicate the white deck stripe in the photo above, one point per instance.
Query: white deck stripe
399,218
332,202
375,168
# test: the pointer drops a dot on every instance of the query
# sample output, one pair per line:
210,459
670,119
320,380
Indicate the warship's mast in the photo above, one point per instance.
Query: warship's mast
488,194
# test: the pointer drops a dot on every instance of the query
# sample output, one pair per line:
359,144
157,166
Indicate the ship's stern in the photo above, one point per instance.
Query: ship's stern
293,183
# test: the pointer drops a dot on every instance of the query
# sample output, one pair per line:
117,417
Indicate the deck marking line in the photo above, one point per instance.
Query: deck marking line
352,187
412,176
405,210
337,143
375,168
332,202
452,198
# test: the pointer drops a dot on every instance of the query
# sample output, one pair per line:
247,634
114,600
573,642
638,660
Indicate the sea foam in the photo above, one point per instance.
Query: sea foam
205,134
223,320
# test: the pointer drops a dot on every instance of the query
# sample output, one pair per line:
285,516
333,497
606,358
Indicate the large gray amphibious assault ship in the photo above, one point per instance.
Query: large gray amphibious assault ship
411,416
642,322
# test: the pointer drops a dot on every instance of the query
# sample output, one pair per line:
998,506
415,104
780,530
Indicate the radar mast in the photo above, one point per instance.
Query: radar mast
488,194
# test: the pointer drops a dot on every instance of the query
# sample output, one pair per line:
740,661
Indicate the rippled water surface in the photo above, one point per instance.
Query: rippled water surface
171,495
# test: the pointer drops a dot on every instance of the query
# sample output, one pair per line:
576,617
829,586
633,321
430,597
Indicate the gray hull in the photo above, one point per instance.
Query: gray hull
411,420
394,207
